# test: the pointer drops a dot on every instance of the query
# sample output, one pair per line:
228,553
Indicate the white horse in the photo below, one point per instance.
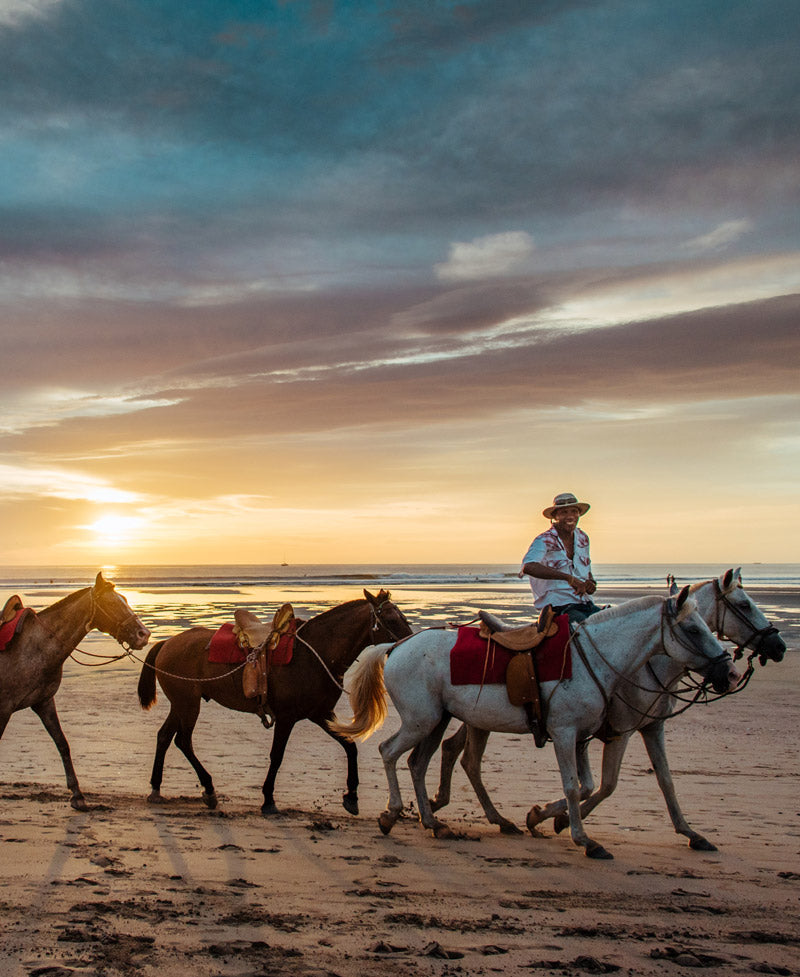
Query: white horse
608,647
644,704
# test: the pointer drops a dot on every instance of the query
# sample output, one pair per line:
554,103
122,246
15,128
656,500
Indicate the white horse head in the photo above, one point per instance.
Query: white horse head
732,614
689,640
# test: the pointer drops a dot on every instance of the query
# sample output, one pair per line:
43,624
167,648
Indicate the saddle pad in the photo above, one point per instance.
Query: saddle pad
10,628
224,648
476,661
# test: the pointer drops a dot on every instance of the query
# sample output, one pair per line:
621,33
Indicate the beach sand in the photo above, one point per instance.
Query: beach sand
132,889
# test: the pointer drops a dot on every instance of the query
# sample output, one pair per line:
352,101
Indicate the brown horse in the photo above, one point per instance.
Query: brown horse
32,664
308,687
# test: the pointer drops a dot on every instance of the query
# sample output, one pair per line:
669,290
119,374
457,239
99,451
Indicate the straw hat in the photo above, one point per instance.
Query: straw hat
562,501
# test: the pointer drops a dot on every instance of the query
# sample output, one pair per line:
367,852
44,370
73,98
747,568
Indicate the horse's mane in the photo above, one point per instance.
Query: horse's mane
625,608
64,602
344,608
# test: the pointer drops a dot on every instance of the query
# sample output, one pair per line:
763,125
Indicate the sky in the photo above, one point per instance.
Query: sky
343,282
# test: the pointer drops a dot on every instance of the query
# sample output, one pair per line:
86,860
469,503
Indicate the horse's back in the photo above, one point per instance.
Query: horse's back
184,654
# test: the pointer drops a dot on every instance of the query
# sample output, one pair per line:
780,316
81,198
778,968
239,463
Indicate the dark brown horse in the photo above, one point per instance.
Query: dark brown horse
308,687
32,664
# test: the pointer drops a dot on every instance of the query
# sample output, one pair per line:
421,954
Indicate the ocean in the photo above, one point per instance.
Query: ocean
170,598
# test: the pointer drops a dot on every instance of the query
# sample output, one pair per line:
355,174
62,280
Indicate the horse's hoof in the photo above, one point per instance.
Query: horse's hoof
386,822
701,844
267,810
560,821
79,803
210,800
155,798
594,850
441,830
350,803
534,817
509,828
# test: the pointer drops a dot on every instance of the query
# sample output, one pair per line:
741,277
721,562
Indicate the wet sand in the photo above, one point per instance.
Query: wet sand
129,888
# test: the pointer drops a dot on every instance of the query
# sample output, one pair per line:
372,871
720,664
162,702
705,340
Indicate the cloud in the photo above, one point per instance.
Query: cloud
486,257
13,12
21,481
721,236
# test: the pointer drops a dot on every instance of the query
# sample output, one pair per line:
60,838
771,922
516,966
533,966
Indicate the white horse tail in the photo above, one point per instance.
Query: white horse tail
367,695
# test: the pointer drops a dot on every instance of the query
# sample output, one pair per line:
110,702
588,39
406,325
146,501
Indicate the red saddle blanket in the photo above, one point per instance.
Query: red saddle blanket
224,647
10,628
476,661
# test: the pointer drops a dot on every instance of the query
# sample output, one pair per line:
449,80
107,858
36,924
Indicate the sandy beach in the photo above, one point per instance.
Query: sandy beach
132,889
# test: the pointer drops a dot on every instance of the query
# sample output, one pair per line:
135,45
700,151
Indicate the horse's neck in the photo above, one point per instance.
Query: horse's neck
706,598
67,619
341,634
624,644
666,670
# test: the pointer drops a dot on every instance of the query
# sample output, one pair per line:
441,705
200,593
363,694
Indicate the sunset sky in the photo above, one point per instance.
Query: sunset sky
333,282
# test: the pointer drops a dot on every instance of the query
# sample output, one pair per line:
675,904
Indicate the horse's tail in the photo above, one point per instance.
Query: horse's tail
367,695
147,679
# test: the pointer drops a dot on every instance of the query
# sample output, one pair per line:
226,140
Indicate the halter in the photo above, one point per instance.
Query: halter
756,637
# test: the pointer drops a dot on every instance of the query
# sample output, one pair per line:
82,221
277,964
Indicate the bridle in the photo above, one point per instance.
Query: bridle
667,621
377,621
113,626
757,636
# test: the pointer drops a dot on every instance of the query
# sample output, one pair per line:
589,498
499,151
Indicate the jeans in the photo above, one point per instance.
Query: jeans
577,613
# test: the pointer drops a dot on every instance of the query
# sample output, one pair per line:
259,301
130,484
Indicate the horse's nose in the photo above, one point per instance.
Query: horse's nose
734,677
143,635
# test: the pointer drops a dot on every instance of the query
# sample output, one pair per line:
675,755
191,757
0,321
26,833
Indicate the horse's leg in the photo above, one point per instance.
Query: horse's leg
611,764
418,763
183,740
165,736
471,762
452,748
46,711
391,750
565,749
350,798
653,738
282,730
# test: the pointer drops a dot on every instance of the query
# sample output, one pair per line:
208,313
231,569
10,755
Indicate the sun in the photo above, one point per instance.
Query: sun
115,528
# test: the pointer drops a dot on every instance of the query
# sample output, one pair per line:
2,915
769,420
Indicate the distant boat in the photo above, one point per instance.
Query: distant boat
284,564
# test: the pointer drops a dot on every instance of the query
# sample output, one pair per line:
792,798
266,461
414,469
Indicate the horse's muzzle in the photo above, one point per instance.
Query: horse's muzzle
772,647
722,675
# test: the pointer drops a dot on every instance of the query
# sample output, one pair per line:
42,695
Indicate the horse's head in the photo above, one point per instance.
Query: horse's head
111,613
388,621
738,618
691,642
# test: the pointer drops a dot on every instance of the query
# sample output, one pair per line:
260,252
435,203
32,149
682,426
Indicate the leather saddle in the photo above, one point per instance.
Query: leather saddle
522,682
261,640
12,607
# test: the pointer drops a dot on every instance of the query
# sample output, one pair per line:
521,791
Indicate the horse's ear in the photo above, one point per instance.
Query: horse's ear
370,597
682,596
727,580
101,584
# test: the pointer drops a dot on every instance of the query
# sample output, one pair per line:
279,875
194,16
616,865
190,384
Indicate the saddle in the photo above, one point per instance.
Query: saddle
12,607
11,619
522,681
261,640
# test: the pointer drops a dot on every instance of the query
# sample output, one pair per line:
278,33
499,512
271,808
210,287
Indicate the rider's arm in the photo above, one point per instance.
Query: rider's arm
542,572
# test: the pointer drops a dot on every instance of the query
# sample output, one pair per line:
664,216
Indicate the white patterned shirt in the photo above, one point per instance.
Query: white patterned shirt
549,550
